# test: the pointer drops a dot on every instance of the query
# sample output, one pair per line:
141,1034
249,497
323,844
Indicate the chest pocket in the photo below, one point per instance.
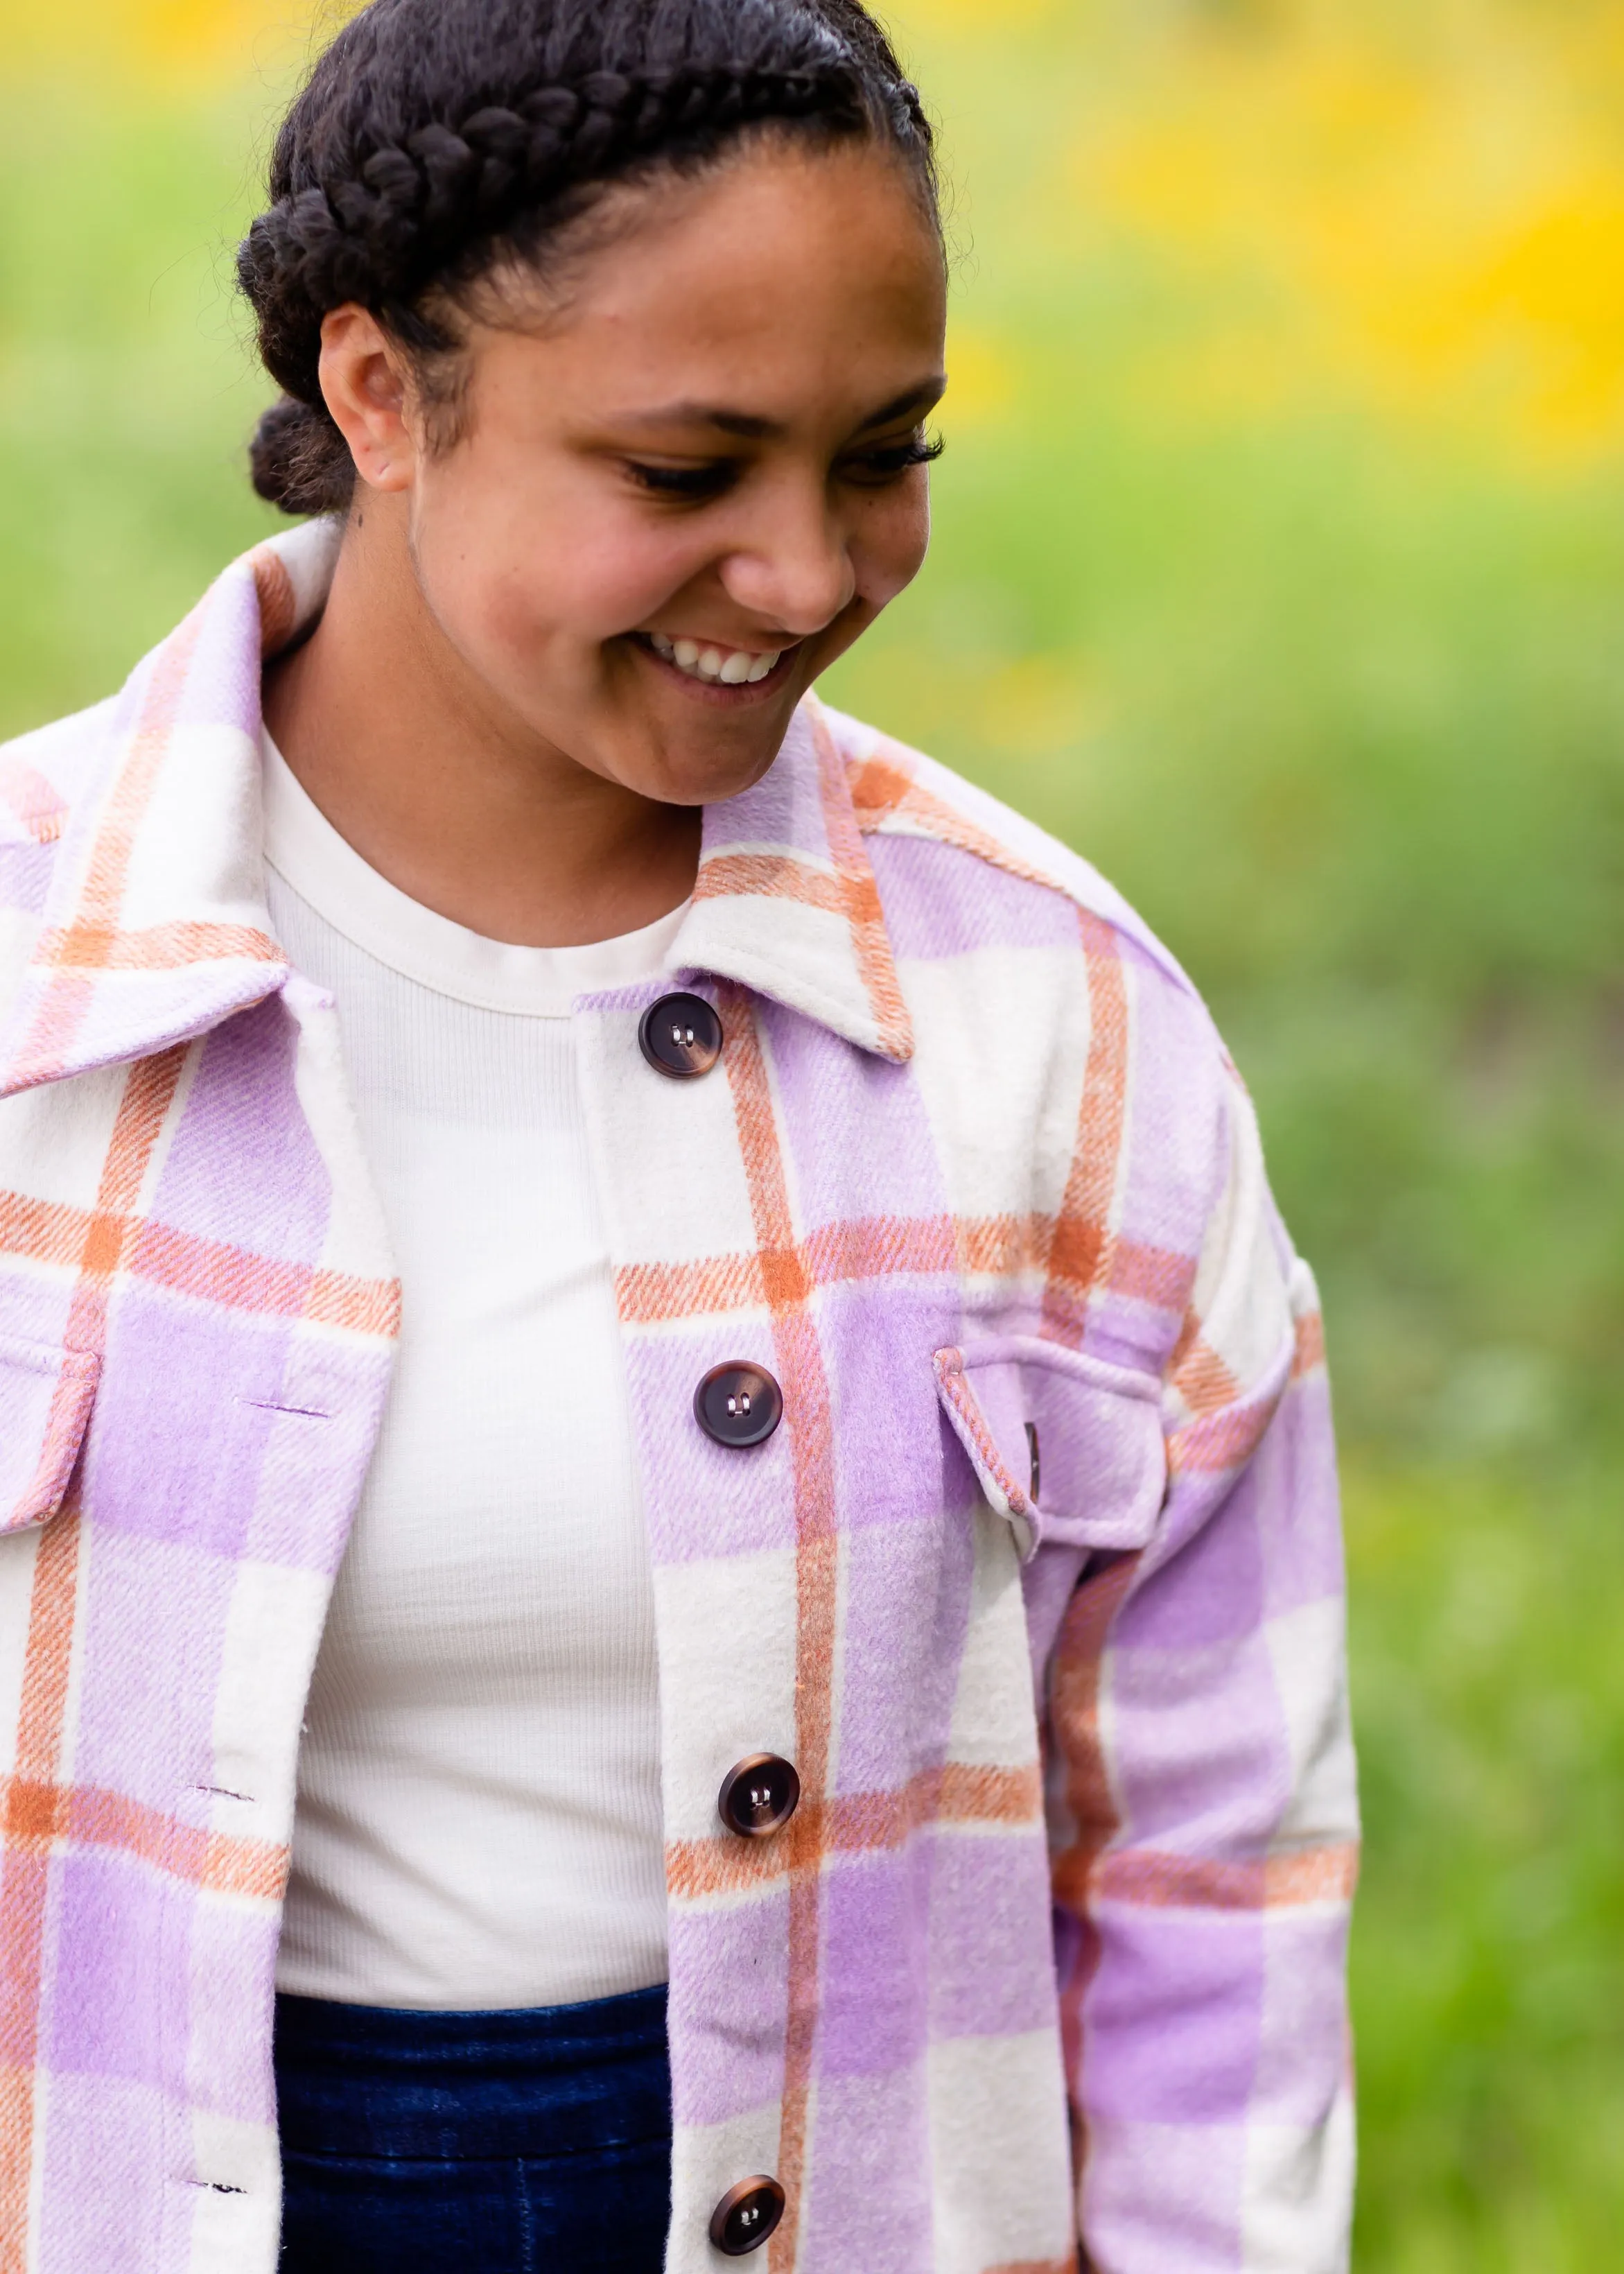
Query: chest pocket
46,1395
1069,1448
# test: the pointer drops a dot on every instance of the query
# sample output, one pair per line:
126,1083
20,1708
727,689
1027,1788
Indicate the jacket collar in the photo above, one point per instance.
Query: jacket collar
155,928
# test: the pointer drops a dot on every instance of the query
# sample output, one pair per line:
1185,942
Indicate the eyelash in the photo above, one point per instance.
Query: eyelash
684,483
693,485
885,465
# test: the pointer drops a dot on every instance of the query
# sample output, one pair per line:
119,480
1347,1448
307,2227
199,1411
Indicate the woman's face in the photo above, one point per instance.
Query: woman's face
690,484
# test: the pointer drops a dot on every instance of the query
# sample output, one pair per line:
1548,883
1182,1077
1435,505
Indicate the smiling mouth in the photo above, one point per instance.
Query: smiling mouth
718,667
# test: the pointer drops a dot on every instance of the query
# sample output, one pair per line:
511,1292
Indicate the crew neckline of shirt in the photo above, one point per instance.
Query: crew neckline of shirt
327,872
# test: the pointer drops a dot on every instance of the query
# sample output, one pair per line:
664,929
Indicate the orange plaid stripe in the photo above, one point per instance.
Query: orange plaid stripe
1074,1708
97,946
882,788
211,1271
36,1817
1166,1882
772,877
805,1394
68,993
1198,1374
216,1273
876,1247
1074,1719
869,939
854,1824
1080,1255
1225,1440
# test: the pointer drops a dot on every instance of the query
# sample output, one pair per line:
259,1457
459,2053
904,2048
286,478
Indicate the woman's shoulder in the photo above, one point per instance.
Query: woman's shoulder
46,772
1054,1029
901,796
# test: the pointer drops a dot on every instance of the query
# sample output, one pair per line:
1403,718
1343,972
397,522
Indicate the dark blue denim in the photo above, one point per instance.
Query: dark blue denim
509,2143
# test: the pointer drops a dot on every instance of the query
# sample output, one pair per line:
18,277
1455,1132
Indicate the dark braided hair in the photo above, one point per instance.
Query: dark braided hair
437,140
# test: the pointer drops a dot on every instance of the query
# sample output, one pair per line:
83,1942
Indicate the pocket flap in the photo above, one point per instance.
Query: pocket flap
1069,1448
46,1396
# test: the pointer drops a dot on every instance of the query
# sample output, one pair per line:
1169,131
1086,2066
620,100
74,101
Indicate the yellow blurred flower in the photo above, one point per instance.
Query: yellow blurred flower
978,15
980,376
170,43
1431,226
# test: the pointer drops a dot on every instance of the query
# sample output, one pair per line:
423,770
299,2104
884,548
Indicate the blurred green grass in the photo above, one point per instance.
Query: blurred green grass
1335,694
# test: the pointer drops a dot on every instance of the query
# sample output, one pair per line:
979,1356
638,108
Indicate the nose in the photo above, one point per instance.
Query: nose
794,569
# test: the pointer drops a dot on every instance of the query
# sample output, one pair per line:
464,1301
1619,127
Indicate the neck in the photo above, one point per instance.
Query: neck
444,792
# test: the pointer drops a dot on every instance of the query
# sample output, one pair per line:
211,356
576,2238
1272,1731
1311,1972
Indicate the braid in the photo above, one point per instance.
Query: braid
433,138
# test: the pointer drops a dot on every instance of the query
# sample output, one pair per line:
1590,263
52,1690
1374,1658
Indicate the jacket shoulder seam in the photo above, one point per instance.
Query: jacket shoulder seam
898,792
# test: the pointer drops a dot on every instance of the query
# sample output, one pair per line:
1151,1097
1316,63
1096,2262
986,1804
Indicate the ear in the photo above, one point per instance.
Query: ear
364,382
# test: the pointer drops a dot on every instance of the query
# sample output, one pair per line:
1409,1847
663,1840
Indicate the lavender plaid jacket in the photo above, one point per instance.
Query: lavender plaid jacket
1047,1969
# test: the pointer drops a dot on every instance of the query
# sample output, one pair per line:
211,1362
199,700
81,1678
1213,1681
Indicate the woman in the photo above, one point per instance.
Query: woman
629,1313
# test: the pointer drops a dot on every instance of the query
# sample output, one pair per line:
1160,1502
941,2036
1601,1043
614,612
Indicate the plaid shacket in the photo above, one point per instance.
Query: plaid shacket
1047,1969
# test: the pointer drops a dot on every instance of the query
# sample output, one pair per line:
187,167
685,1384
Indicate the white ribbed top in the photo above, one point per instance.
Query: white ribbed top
478,1821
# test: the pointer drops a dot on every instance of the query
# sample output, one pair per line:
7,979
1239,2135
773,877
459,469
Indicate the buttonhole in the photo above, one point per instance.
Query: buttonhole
216,2188
223,1792
1032,1451
273,1405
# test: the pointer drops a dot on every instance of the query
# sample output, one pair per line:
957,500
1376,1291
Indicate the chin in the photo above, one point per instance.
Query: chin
708,775
709,786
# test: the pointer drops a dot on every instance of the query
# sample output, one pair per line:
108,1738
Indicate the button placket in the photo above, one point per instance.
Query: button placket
740,1405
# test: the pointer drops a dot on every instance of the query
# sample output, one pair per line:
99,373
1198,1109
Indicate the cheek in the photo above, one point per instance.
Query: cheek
891,542
518,574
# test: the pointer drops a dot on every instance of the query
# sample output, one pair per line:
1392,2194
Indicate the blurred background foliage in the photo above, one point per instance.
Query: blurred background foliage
1280,567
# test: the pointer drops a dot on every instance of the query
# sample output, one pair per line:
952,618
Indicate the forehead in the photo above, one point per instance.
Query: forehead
791,274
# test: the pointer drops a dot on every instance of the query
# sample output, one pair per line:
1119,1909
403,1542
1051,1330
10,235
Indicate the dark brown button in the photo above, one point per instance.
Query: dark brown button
680,1035
738,1404
759,1795
746,2216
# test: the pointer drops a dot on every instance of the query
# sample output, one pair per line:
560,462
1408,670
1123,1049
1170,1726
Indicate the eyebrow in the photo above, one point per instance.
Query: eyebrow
749,427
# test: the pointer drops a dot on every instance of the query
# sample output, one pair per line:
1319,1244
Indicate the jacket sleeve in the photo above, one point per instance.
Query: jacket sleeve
1201,1795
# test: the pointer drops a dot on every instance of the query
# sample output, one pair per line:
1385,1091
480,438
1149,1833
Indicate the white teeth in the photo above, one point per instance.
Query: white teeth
721,666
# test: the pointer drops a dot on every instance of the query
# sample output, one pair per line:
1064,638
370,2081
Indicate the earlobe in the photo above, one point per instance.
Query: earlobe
364,389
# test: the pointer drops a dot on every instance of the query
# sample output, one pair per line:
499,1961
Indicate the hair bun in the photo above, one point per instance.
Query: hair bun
299,461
